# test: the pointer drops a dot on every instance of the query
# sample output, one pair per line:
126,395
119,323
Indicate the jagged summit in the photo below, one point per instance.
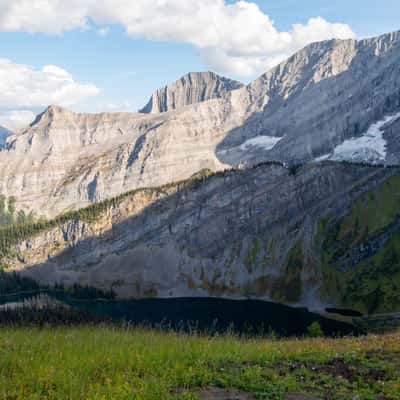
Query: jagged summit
54,108
192,88
383,42
49,114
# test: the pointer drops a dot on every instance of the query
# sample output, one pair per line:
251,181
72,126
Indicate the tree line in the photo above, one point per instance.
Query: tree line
13,283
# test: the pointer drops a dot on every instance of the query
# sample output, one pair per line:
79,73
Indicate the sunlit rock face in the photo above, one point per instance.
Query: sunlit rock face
326,95
192,88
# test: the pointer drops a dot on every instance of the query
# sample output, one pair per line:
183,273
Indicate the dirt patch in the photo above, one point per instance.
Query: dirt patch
338,367
352,372
224,394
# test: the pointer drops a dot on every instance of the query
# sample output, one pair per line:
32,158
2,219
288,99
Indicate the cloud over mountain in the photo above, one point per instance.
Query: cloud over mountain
232,37
23,88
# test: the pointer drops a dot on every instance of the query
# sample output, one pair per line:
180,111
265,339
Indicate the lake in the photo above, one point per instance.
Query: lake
209,315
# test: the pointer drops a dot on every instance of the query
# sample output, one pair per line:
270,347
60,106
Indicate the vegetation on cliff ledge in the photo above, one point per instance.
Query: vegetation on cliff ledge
9,215
360,253
21,229
25,227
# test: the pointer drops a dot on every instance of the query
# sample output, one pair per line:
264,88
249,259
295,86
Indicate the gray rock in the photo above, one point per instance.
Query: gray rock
229,236
302,109
326,93
192,88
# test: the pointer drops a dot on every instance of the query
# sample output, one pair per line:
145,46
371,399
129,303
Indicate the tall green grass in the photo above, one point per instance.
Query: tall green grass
110,363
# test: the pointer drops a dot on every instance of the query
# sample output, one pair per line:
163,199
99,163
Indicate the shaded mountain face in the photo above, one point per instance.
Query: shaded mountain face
325,94
192,88
4,134
328,95
316,238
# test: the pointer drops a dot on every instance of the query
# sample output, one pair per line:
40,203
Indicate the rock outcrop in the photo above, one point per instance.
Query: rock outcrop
192,88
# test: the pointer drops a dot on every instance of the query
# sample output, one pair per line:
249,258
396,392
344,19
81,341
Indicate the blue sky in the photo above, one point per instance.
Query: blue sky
366,17
116,60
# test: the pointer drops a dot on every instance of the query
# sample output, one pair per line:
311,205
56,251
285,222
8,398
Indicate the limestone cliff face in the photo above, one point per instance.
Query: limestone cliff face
66,160
192,88
263,232
304,108
324,94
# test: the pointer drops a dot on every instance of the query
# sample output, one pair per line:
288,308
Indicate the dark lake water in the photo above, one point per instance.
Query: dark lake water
210,315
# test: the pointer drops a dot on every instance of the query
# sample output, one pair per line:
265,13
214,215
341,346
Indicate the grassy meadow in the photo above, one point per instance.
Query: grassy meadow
104,363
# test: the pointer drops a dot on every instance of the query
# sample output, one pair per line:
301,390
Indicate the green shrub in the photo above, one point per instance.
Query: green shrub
315,330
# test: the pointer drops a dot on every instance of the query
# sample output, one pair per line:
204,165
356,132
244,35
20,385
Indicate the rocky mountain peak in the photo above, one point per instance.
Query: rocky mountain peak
54,111
192,88
308,66
50,114
381,44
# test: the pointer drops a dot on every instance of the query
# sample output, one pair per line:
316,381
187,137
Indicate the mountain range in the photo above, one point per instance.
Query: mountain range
284,189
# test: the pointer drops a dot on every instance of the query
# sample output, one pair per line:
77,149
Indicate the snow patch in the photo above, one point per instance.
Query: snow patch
370,147
323,158
263,142
266,142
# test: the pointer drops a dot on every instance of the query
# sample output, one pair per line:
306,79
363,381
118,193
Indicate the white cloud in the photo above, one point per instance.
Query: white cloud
23,88
273,47
103,31
16,119
48,16
233,37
